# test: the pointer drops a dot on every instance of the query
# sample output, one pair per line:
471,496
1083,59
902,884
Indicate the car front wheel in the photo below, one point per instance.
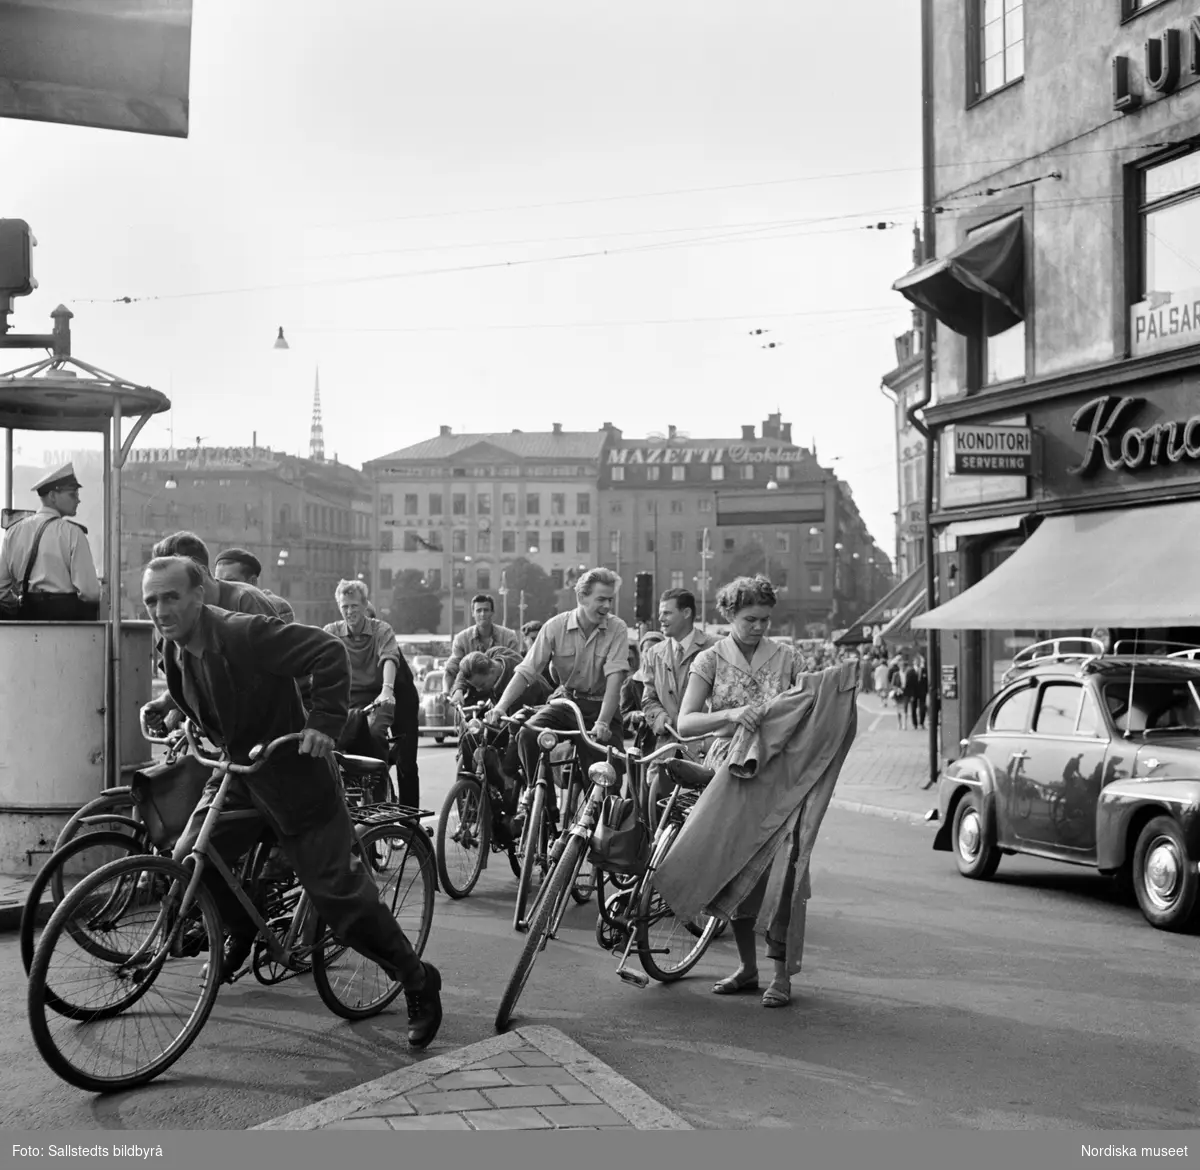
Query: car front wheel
974,850
1164,880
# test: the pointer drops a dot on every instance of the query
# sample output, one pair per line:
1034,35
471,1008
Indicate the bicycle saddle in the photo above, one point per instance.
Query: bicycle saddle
684,772
358,765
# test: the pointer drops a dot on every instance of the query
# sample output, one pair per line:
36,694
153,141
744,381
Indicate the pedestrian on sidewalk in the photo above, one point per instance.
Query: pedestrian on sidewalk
898,691
921,692
881,680
744,850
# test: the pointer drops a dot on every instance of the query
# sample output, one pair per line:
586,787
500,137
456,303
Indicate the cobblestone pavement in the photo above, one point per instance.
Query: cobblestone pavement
529,1078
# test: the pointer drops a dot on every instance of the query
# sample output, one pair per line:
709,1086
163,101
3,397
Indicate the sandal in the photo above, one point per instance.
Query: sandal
735,984
777,994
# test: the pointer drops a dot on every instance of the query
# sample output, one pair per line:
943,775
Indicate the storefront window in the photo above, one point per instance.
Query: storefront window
1170,226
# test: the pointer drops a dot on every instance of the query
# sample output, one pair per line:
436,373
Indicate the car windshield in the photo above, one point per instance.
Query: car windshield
433,683
1152,705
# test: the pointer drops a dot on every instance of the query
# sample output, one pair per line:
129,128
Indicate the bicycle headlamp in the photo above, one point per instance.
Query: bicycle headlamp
547,740
605,774
474,727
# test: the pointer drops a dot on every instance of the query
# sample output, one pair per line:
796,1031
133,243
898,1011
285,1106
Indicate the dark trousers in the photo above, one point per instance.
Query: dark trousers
357,739
404,751
57,607
559,719
916,710
342,889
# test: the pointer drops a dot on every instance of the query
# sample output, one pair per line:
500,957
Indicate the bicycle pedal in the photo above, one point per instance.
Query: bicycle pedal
634,978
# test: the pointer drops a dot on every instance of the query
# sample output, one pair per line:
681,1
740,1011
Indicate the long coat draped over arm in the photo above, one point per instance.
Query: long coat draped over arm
764,807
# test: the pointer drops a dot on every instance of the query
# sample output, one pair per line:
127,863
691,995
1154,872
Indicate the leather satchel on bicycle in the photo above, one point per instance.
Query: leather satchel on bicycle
621,840
166,795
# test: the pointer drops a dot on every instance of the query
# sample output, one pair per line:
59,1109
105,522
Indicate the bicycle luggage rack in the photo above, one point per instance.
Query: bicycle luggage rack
1037,653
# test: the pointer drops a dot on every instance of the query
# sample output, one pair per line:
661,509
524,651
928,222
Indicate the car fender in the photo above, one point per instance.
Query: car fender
1127,803
959,779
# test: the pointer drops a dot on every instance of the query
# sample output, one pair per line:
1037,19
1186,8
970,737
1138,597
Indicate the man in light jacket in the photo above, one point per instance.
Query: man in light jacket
664,670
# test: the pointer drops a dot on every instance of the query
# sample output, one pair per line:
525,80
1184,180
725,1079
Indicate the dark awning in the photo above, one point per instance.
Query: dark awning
990,263
871,624
900,628
1135,568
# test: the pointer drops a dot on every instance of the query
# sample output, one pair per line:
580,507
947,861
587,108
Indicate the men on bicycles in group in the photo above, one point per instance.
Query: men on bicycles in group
665,668
483,635
239,564
235,676
589,649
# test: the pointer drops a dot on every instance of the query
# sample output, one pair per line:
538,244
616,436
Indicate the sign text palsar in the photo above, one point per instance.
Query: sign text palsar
993,451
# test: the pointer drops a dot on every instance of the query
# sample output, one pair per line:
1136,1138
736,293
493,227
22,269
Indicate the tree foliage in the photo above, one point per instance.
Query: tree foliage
416,609
541,598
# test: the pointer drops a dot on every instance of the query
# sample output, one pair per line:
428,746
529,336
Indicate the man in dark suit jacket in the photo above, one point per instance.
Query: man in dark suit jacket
235,675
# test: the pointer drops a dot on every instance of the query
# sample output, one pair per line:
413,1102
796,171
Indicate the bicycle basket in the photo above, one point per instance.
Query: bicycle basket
621,840
166,795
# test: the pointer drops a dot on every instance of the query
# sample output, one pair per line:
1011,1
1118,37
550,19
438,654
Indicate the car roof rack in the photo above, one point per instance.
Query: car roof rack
1191,652
1156,648
1054,650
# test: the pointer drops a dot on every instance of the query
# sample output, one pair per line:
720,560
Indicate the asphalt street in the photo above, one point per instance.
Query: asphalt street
1036,1000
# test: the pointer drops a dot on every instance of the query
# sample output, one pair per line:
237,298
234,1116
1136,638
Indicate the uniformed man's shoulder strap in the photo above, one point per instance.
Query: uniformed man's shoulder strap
33,552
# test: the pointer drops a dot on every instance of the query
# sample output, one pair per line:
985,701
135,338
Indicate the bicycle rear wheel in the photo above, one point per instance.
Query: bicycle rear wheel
135,1017
352,985
668,946
553,891
464,835
80,857
112,809
534,849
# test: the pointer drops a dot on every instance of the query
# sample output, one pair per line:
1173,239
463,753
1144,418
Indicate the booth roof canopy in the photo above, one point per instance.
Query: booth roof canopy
989,265
1132,568
51,396
886,608
900,626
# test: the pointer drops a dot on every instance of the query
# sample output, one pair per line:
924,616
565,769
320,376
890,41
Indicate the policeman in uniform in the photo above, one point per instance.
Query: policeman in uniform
46,569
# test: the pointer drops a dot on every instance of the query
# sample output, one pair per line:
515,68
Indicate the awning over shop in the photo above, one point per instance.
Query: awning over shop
871,624
900,628
1136,568
989,265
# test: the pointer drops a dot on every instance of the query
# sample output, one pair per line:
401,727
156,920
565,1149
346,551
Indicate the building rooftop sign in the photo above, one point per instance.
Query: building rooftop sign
624,456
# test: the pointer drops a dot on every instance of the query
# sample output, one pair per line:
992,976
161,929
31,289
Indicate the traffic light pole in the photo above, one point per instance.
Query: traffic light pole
58,341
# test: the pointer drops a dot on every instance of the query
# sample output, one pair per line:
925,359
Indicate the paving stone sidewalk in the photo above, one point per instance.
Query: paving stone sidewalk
529,1078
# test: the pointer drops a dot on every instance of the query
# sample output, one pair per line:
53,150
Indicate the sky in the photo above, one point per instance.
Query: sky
494,216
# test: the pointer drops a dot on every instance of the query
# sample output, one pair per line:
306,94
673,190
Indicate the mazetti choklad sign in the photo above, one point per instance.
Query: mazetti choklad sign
991,450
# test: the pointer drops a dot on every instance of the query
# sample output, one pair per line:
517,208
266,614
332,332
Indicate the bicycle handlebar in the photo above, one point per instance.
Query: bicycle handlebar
630,756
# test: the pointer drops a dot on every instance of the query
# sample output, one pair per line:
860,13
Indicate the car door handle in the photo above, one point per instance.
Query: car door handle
1021,755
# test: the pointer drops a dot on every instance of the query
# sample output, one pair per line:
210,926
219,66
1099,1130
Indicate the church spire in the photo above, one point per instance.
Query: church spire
316,438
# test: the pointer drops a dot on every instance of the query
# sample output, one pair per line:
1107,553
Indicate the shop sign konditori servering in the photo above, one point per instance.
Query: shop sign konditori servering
734,453
992,450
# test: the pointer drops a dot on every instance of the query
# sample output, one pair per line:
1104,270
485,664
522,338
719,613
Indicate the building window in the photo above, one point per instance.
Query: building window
614,542
410,503
483,503
385,540
222,514
434,544
483,542
583,503
508,503
558,503
704,505
677,542
385,580
676,578
385,504
678,473
616,507
433,580
618,474
816,540
435,503
410,541
458,540
718,471
998,56
651,505
649,542
458,504
1169,235
677,506
508,541
783,471
460,580
653,473
558,541
533,504
816,580
483,578
729,544
783,542
699,542
531,542
583,542
556,578
747,471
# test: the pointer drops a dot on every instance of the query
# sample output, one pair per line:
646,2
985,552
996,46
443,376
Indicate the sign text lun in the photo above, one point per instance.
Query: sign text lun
1166,57
1113,441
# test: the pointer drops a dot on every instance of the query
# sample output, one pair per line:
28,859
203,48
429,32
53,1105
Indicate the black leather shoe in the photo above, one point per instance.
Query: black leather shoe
425,1009
237,951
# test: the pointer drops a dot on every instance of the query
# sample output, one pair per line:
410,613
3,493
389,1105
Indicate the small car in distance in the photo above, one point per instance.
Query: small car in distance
436,716
1091,759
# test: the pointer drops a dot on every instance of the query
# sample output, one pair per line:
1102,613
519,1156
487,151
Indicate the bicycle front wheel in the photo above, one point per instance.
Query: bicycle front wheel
112,809
352,985
464,835
131,1018
553,892
533,849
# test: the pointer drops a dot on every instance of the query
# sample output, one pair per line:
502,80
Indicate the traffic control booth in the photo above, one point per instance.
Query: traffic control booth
70,692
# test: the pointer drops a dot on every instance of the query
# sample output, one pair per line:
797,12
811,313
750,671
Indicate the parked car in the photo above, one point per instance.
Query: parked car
436,716
422,664
1091,759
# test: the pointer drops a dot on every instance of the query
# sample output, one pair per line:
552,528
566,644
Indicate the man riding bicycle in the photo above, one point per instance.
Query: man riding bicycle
235,676
484,635
589,649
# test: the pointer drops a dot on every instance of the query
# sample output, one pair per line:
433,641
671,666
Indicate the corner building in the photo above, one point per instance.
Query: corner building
1065,152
